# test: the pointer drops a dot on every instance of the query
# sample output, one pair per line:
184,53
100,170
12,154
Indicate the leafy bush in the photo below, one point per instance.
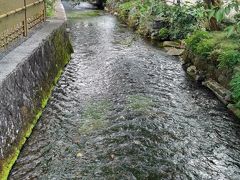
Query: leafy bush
134,17
181,20
163,34
220,13
224,51
215,45
124,9
229,58
50,7
146,16
205,47
235,85
193,40
237,17
227,44
184,20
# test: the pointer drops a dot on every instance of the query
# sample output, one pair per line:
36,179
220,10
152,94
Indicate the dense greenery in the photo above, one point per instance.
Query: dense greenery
50,7
205,44
213,46
176,21
221,11
235,83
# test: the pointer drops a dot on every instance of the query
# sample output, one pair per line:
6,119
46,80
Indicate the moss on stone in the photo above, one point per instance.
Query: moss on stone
95,116
234,109
10,160
83,14
139,103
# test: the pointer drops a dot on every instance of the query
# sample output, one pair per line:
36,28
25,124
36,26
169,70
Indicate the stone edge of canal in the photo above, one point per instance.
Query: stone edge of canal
29,73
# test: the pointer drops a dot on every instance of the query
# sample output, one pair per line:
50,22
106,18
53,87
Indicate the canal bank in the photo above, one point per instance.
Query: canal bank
27,76
124,109
211,58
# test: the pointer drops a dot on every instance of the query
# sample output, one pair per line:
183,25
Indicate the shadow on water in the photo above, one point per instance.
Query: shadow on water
123,109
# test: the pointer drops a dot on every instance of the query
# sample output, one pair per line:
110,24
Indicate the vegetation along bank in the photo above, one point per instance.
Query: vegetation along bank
206,34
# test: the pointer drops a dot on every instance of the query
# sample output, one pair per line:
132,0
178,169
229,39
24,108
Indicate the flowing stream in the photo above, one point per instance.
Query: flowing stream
124,109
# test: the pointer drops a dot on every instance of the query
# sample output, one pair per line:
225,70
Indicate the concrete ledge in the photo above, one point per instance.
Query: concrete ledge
27,76
222,93
60,11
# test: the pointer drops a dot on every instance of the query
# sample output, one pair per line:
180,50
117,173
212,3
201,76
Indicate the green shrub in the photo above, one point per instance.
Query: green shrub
145,25
158,8
124,9
235,87
50,7
227,44
146,17
213,56
193,40
134,17
205,47
163,34
182,20
237,17
229,58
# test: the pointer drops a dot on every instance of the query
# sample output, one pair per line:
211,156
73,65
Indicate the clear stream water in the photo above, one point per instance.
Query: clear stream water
123,109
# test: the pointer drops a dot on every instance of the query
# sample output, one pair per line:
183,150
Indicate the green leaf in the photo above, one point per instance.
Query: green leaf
230,30
227,10
219,15
236,7
211,14
238,28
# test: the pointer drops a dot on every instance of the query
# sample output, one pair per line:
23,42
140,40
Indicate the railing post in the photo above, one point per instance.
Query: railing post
44,10
25,25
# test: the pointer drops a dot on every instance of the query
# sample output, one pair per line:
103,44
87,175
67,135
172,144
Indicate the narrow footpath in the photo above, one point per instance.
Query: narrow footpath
123,109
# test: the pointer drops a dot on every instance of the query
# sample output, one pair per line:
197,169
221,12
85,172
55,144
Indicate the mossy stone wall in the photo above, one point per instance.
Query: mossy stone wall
25,91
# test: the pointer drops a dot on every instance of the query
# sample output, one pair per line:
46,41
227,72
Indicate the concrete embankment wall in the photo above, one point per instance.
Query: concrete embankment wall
27,76
215,79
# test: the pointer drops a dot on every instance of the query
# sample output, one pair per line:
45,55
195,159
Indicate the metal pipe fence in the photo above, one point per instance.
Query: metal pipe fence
18,17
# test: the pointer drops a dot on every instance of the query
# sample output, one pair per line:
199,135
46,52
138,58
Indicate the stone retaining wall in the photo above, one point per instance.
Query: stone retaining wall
27,77
210,76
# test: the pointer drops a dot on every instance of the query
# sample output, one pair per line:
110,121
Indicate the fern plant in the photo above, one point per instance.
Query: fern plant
229,58
235,85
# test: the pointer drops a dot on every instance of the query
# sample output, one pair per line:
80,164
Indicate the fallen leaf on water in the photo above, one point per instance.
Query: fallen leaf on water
112,156
79,155
137,142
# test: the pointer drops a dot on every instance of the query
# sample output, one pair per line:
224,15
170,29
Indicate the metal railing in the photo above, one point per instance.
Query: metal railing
17,17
